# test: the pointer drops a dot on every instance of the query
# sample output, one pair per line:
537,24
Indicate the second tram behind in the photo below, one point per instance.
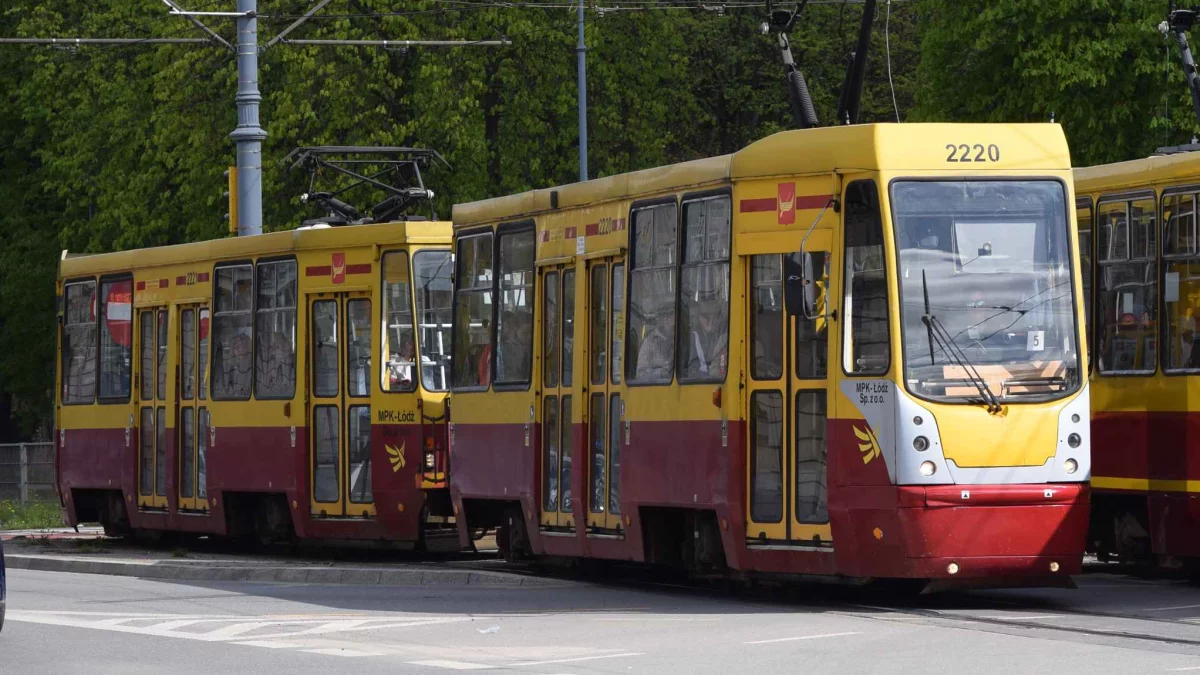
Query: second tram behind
1139,240
287,384
851,351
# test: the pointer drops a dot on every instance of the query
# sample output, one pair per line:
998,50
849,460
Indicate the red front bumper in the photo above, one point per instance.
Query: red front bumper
972,531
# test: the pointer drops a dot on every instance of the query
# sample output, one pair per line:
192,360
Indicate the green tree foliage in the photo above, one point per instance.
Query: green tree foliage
107,148
1099,66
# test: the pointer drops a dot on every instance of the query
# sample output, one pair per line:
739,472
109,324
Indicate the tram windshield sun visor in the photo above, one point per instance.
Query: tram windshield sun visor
987,301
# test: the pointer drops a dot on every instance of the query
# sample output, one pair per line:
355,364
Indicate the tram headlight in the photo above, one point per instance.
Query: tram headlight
952,568
1074,440
1075,418
928,468
1071,466
920,444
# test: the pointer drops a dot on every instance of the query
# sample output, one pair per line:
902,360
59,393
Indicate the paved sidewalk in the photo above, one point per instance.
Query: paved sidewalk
94,532
113,557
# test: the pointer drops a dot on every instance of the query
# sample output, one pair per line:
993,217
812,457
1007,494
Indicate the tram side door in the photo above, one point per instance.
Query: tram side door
787,400
339,401
152,397
557,400
192,428
605,413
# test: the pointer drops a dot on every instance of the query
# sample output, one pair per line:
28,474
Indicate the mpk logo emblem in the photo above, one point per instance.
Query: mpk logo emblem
869,446
787,204
396,457
339,268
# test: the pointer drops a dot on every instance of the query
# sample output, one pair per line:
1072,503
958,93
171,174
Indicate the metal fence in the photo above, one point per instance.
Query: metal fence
27,472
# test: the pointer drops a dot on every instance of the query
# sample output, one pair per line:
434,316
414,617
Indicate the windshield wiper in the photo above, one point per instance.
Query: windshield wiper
1037,381
947,344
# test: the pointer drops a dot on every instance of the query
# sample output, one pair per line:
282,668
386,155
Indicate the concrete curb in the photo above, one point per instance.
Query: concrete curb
295,574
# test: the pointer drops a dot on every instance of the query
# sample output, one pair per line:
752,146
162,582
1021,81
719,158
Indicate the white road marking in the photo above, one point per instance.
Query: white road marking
236,626
801,637
270,644
1013,617
451,665
343,652
1176,670
1168,609
576,659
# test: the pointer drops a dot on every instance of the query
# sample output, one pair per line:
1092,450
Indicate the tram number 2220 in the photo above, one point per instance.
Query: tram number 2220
973,153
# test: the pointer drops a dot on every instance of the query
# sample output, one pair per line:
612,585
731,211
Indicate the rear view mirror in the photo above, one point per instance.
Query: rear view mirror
800,287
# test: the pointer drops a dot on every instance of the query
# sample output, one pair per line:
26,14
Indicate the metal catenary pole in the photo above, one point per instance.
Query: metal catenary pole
581,58
248,135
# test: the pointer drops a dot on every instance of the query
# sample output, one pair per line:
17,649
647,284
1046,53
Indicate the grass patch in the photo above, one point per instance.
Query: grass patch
13,516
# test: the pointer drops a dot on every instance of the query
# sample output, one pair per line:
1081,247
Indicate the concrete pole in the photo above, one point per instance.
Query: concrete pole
24,475
581,57
248,135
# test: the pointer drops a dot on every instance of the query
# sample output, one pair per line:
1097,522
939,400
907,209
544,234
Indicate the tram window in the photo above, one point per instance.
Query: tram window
812,338
358,354
766,458
187,440
435,298
79,343
232,328
550,314
147,357
187,355
1127,293
203,389
146,450
564,455
514,327
766,317
325,348
550,440
812,503
867,349
360,454
1181,283
704,291
618,321
651,314
202,455
1083,215
614,454
472,343
162,355
116,339
597,432
568,328
275,331
325,459
160,452
599,327
399,343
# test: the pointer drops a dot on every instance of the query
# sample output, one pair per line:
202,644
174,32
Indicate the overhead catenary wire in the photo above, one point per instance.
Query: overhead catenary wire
887,45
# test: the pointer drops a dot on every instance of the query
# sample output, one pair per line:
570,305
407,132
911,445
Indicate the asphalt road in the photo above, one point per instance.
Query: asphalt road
69,623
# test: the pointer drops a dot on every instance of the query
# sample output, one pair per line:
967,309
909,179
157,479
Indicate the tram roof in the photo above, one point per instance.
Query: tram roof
864,147
272,243
1137,172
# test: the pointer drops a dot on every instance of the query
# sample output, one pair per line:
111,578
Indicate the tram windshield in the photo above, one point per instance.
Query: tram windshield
986,294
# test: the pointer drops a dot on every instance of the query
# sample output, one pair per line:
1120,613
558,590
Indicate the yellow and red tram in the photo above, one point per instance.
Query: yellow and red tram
1139,241
288,383
850,351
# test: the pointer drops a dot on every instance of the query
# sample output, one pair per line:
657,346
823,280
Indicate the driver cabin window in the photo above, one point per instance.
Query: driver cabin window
865,297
